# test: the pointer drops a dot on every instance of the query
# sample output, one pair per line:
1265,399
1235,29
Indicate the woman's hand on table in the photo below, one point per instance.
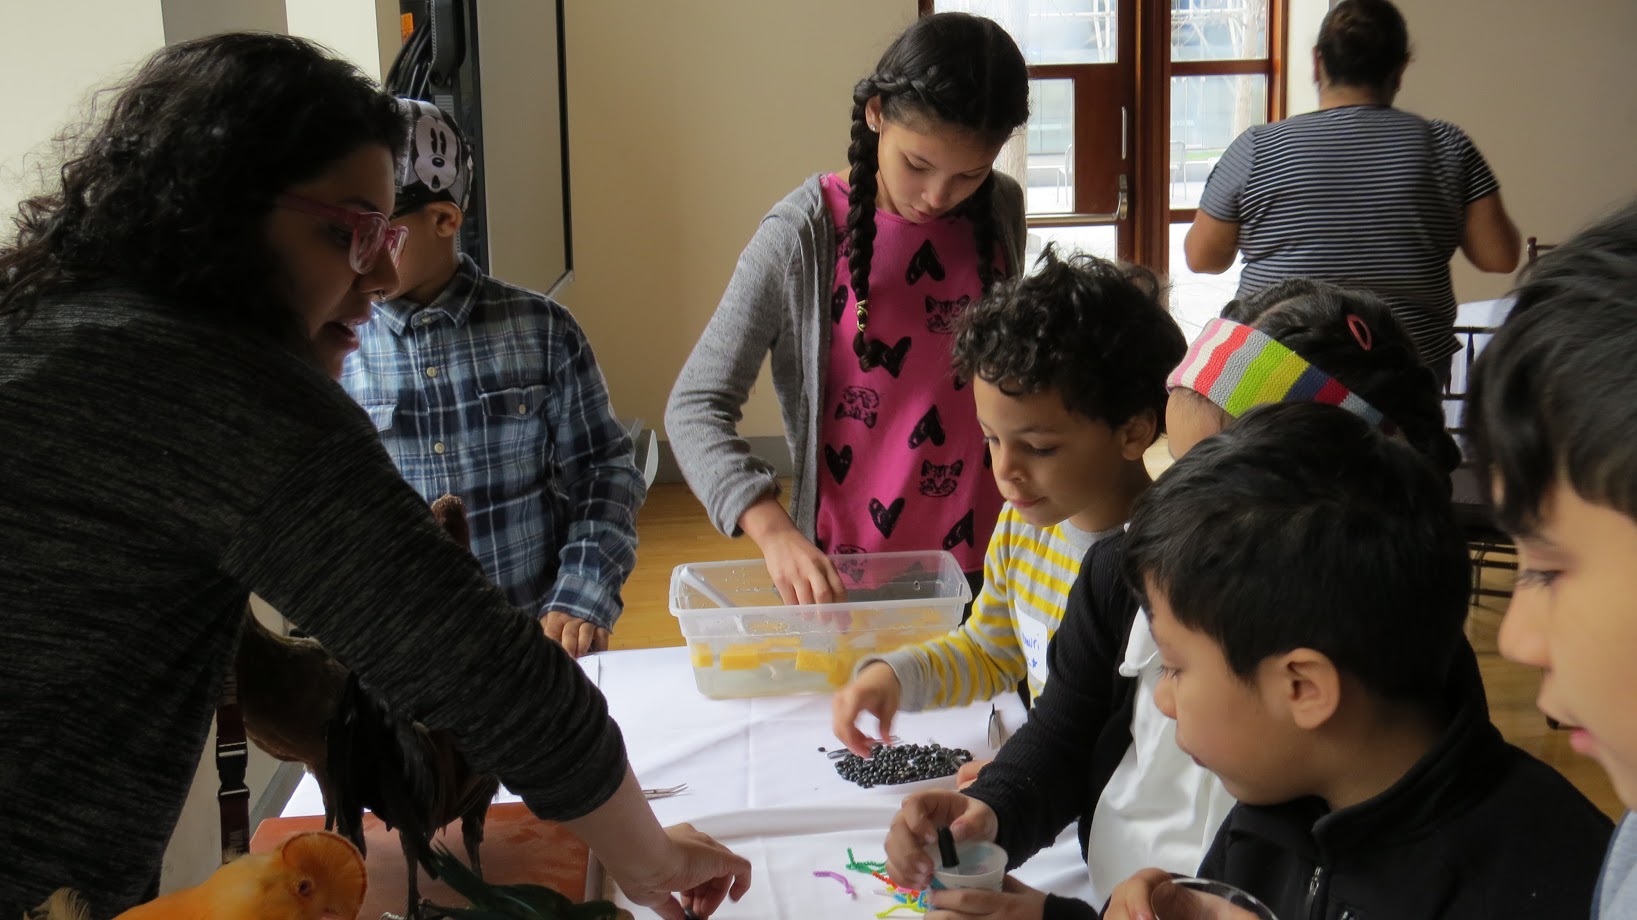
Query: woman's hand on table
915,828
800,571
702,870
876,691
1015,901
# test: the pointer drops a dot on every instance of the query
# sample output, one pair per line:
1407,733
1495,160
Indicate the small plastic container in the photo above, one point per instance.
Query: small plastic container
743,642
982,865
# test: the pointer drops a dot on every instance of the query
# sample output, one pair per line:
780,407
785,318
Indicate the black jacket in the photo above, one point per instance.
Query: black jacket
1476,829
1047,774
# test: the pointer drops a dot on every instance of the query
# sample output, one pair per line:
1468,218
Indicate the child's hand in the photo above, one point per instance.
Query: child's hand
801,572
915,827
577,637
876,691
968,773
1149,896
1015,901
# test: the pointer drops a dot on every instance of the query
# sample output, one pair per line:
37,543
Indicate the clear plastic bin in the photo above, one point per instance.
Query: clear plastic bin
744,642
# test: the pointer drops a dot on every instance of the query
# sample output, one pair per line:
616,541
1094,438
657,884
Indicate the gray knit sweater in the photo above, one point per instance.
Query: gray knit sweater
777,301
154,472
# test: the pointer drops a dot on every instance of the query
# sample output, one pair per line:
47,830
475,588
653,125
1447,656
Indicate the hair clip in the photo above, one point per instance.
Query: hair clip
1361,331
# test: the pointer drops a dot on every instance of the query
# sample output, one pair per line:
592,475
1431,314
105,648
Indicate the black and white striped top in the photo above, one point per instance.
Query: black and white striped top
1367,196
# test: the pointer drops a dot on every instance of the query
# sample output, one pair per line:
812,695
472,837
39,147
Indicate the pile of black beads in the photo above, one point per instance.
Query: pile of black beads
901,763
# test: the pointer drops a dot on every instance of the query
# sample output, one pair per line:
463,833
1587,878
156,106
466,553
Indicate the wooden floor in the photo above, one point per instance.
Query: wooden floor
673,529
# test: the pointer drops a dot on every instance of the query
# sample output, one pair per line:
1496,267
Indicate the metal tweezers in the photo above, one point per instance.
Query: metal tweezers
665,792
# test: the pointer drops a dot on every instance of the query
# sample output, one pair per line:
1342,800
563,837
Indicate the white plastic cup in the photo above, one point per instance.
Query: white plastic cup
982,865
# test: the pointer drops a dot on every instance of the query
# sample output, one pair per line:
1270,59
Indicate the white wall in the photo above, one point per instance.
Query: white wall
52,66
687,122
358,30
1302,30
522,144
1544,90
190,19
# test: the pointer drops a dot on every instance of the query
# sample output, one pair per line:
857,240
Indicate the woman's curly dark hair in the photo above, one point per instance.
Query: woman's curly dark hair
1311,318
1093,330
170,191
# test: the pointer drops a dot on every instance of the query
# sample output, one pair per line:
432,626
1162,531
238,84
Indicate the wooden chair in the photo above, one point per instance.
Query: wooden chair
1492,549
1533,248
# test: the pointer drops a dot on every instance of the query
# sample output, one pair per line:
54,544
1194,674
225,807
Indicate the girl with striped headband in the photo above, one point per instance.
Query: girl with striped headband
1308,341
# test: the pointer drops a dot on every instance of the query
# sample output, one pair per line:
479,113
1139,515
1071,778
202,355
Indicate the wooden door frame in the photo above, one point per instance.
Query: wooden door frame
1145,232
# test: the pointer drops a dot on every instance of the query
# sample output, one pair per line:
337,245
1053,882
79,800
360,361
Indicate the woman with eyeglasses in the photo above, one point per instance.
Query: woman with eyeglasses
174,308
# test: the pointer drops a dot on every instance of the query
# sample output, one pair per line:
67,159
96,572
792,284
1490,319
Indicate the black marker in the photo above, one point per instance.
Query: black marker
946,848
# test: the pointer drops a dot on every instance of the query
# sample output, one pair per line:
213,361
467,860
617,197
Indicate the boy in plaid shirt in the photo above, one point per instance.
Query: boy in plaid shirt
491,392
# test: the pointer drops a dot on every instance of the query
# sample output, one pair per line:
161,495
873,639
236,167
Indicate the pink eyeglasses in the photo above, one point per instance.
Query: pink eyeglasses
371,233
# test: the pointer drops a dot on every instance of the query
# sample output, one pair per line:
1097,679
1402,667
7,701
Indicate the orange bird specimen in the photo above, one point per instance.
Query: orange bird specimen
315,875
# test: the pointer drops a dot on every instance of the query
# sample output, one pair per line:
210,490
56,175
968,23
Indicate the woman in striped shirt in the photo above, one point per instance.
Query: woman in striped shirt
1358,193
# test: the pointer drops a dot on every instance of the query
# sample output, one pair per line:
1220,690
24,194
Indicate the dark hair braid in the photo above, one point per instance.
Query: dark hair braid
982,214
947,69
861,158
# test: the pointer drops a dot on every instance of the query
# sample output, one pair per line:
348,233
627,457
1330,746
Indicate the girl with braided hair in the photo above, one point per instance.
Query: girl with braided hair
853,283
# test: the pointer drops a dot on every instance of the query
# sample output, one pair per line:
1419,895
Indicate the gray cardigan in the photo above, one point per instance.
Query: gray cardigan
777,301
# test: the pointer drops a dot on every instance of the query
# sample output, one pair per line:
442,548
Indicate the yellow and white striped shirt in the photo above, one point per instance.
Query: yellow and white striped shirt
1027,574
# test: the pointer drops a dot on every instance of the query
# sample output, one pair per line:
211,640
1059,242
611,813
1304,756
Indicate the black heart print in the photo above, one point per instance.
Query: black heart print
839,462
838,303
929,428
960,533
885,517
924,262
877,354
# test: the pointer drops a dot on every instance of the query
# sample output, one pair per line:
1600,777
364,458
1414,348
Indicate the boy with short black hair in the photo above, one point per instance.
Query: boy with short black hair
1307,584
1551,419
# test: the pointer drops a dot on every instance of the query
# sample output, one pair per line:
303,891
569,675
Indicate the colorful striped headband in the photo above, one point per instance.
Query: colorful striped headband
1239,368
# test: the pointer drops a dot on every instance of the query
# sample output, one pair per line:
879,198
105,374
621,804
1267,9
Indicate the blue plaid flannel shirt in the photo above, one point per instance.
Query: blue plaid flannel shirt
491,393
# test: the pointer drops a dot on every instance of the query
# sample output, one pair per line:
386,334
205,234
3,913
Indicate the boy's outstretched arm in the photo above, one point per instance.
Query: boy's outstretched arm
593,465
978,660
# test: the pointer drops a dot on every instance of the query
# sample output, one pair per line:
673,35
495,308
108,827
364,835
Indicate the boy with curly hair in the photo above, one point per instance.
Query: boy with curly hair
1067,366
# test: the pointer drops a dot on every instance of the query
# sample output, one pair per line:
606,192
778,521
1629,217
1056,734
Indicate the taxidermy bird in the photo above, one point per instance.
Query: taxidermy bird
509,902
302,705
314,875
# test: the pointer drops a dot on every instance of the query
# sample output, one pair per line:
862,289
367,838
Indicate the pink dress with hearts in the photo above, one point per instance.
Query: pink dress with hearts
902,464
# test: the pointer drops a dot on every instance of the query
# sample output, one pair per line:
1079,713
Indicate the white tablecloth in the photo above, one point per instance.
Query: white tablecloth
761,756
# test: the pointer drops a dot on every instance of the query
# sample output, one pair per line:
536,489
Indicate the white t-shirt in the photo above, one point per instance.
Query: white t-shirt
1159,808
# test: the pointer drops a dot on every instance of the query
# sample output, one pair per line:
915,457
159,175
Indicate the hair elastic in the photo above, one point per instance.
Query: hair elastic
1361,331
